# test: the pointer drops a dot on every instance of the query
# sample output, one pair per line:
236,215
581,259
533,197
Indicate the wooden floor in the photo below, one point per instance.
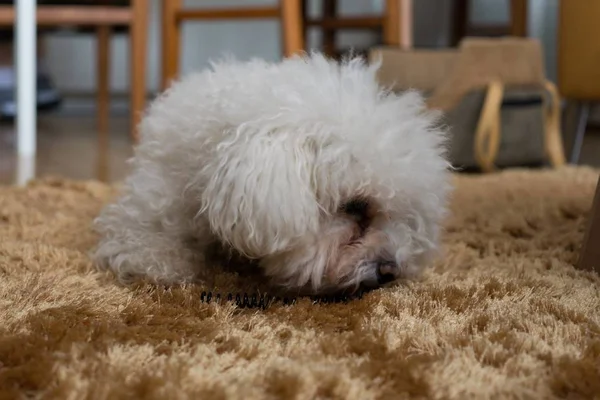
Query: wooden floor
68,147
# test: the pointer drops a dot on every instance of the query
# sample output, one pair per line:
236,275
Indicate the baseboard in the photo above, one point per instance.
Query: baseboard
77,104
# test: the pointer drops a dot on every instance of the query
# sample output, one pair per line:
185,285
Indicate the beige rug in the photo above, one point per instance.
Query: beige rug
502,315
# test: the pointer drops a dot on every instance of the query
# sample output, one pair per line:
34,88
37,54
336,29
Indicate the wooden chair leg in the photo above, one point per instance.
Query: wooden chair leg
391,25
518,18
171,41
460,21
138,53
552,122
589,257
397,27
103,98
292,27
329,12
304,19
103,65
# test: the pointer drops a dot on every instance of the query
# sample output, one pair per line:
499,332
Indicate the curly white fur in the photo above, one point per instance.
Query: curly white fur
262,157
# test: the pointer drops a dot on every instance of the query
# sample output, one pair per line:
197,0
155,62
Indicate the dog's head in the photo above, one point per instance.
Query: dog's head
343,185
332,217
365,243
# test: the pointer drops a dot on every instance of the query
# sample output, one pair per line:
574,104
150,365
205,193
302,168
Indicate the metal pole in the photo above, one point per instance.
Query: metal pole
584,113
25,59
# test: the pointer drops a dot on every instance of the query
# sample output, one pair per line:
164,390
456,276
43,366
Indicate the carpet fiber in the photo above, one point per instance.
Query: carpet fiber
502,314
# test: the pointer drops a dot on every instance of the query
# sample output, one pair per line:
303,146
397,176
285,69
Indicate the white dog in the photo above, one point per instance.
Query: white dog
307,168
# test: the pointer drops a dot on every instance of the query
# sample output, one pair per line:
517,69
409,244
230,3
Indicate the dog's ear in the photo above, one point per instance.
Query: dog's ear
259,198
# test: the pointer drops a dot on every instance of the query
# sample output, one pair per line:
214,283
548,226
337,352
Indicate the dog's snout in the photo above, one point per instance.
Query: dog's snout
381,273
387,272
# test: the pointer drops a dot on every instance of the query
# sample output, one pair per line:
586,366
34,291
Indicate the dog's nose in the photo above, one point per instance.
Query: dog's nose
387,272
382,272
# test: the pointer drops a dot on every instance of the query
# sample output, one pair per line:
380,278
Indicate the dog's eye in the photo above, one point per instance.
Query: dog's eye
356,206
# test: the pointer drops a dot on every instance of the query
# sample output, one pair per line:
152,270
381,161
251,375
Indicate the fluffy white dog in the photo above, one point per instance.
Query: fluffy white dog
307,168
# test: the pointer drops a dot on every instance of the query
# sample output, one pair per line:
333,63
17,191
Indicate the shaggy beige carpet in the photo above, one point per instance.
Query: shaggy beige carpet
503,314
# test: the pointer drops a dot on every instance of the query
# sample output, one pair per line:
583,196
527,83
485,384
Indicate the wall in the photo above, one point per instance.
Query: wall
71,58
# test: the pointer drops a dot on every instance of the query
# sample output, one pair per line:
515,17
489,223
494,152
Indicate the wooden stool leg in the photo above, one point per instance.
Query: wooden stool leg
397,26
138,52
171,41
518,18
103,98
589,257
292,27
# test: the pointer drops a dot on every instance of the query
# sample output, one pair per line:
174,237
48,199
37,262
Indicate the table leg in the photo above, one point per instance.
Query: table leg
25,59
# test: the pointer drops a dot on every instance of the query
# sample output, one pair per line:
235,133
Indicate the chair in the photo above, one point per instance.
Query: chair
517,25
174,14
579,64
395,24
292,14
103,16
579,85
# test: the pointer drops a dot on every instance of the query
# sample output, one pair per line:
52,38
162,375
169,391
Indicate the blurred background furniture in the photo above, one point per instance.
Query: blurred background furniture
395,25
69,59
517,25
589,255
503,110
101,17
578,66
174,14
